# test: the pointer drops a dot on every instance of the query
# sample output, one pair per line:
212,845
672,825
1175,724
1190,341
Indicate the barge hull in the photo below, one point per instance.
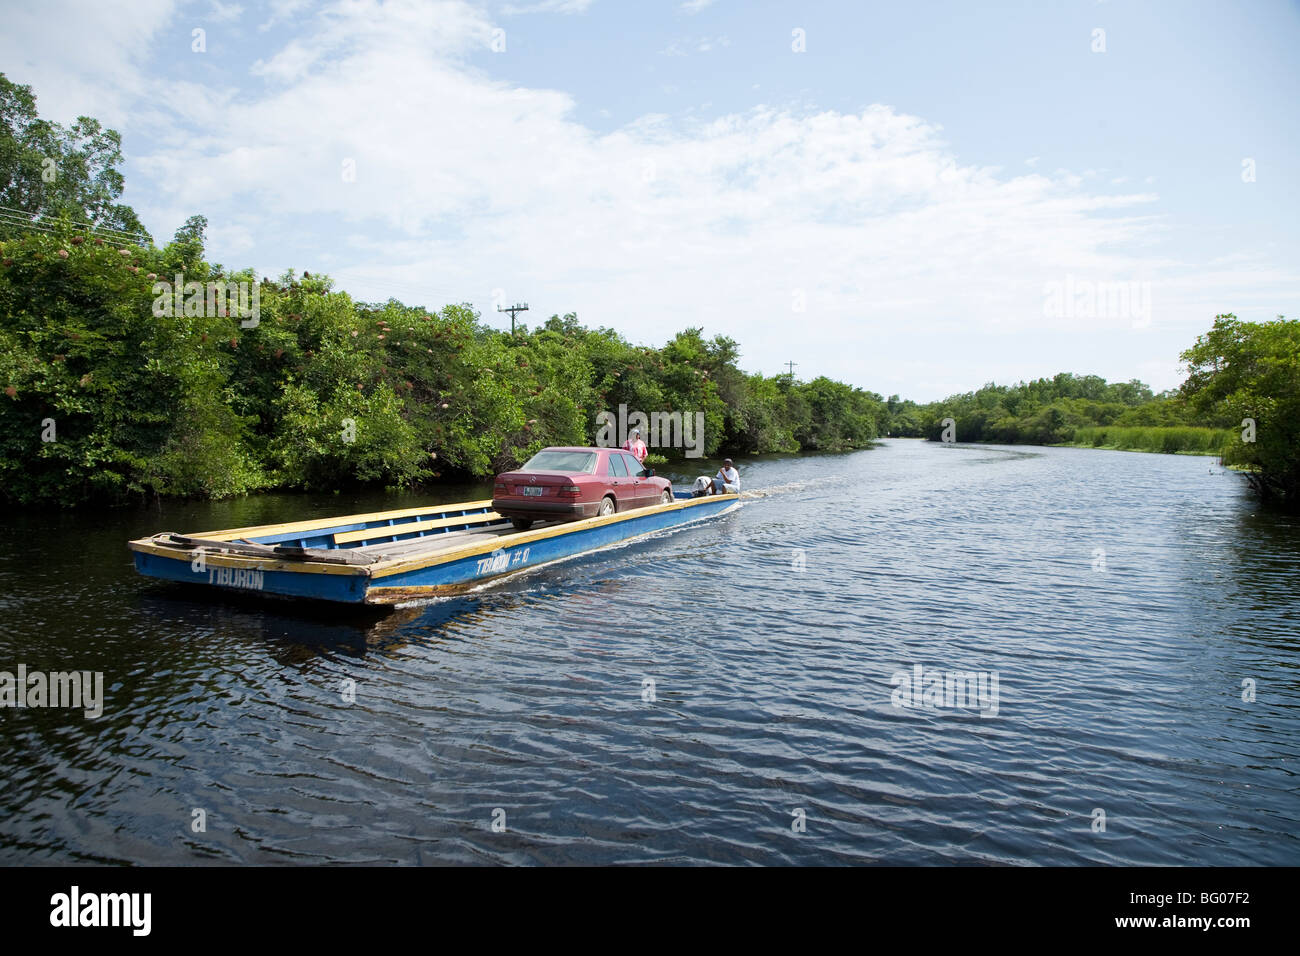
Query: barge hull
403,566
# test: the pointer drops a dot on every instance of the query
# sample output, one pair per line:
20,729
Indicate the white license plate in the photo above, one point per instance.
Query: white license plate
532,490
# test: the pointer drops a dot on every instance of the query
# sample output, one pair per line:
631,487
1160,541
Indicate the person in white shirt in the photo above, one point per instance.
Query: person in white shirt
727,480
636,446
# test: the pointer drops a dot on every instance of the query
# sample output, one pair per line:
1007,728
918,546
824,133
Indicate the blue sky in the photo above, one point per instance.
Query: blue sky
895,205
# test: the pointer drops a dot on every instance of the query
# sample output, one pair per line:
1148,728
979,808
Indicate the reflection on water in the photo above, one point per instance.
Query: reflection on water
675,699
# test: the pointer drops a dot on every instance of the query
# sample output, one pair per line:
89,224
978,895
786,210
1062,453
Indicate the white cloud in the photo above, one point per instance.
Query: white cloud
283,11
547,6
83,60
225,12
692,7
685,45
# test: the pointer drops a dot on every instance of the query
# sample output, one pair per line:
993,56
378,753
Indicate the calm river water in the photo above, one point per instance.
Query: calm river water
727,693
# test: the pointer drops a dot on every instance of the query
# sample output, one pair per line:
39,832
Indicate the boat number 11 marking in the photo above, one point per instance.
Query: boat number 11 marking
501,560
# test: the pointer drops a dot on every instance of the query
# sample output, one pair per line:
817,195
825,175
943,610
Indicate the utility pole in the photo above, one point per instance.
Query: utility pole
512,310
791,372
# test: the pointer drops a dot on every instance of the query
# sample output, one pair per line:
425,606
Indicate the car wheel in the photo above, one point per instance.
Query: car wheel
606,507
522,524
666,498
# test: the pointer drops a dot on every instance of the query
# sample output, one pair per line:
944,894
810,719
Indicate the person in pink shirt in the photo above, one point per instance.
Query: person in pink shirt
636,446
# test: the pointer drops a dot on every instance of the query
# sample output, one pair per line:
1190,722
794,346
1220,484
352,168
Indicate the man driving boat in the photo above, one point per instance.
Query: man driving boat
727,480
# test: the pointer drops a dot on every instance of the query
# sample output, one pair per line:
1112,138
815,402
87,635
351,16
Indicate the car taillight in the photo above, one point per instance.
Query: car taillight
499,486
570,490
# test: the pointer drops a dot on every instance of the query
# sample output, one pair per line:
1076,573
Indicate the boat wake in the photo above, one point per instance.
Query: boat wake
792,486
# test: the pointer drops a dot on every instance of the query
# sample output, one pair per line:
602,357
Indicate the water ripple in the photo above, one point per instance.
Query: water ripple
721,694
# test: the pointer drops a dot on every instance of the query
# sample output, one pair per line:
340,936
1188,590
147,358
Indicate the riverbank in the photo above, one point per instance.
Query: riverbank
1178,440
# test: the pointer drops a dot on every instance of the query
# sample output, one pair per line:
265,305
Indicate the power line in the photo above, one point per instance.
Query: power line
22,218
9,216
34,220
52,231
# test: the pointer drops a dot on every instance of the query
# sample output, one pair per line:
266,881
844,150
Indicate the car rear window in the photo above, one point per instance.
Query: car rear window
573,462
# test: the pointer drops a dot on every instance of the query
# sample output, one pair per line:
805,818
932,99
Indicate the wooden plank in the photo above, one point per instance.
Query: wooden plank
387,531
209,546
317,524
326,555
175,553
388,550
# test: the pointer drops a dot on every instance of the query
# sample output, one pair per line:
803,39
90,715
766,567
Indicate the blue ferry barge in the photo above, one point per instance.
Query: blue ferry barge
396,557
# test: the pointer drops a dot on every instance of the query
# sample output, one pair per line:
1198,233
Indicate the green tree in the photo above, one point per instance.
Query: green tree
56,172
1247,375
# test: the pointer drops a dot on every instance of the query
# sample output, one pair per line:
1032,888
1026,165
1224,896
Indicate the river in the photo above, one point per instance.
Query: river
732,692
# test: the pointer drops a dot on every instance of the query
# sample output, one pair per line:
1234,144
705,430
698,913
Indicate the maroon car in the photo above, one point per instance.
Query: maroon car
568,483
